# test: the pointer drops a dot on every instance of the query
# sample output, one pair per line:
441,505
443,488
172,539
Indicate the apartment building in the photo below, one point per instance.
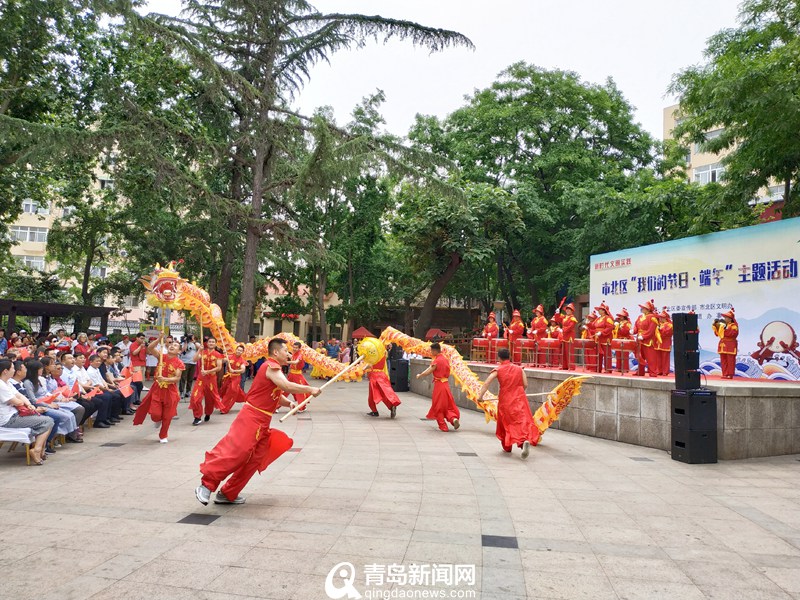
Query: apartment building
705,167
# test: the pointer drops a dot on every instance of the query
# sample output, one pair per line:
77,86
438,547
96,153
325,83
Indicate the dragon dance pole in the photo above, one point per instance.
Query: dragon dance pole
307,400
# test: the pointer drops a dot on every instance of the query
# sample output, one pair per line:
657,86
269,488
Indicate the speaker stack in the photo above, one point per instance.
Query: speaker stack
694,411
398,375
685,344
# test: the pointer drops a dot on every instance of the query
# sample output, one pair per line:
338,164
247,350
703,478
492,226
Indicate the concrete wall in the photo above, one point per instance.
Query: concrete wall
752,419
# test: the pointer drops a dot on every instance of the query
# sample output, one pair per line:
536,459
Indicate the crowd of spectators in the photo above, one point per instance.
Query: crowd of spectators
59,385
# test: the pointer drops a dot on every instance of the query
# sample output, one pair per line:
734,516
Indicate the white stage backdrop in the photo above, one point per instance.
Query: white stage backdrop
754,269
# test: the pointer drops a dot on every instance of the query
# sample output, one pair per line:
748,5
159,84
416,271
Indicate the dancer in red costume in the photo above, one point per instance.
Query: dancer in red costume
250,445
646,331
380,389
491,330
514,419
664,344
161,402
231,391
568,324
622,331
538,331
514,331
209,363
296,374
587,333
603,327
727,331
443,405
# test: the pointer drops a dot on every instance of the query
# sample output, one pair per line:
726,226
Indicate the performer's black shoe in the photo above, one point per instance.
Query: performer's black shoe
207,418
373,414
394,411
197,421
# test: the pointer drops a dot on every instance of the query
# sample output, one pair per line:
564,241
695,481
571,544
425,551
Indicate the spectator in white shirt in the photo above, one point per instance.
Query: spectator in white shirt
10,399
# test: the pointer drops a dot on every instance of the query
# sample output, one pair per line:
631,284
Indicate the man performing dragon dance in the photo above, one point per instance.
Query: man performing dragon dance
251,445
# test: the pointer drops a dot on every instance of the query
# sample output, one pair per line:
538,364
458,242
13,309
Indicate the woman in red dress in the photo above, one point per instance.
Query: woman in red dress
727,331
231,390
443,405
514,419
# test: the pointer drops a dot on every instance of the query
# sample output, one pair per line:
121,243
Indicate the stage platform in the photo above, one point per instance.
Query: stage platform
754,418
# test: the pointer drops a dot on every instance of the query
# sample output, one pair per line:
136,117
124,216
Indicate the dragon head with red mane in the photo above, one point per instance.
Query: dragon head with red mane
163,286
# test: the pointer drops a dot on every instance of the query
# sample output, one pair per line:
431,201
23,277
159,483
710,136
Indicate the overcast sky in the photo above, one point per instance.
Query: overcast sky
641,44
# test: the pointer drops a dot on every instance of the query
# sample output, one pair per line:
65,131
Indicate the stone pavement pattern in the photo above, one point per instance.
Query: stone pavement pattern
586,518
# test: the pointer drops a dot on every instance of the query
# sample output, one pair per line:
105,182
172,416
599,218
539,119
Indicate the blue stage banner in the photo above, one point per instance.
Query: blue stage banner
752,269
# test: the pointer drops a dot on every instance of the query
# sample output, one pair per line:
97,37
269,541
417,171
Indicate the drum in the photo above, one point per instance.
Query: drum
552,351
494,346
527,351
586,354
479,351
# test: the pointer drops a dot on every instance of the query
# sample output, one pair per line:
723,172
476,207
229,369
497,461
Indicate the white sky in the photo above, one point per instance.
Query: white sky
641,44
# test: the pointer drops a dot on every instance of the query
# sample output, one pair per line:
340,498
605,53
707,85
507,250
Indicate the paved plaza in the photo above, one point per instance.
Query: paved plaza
116,517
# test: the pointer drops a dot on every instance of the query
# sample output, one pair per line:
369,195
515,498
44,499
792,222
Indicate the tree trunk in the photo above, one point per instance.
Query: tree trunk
323,323
351,296
244,319
225,278
87,273
409,317
426,315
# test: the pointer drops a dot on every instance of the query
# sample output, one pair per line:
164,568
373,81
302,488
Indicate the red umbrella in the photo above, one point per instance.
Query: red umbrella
432,333
361,333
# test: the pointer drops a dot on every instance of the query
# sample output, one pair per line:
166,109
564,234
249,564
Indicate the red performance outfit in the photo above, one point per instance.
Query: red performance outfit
231,391
250,445
728,344
514,419
603,327
589,353
296,376
206,385
568,324
646,327
380,388
491,330
443,405
161,402
539,332
664,345
622,331
514,331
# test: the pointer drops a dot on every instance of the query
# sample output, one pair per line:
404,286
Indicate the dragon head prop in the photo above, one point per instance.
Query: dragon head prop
163,286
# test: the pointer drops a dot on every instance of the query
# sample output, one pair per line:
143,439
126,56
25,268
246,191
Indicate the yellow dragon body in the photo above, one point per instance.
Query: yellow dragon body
167,289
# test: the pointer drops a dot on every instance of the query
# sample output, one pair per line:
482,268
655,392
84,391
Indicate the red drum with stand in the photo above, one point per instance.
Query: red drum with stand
479,350
552,351
588,350
622,348
527,350
494,346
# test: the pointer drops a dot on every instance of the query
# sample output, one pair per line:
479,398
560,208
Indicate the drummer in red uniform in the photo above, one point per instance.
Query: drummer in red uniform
603,332
568,324
664,345
646,331
514,331
727,331
587,333
538,331
491,331
622,331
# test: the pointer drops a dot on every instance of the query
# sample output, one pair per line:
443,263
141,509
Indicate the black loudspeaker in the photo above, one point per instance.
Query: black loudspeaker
694,426
695,410
685,346
398,375
694,447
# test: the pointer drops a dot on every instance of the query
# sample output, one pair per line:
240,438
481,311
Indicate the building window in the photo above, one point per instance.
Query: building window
99,272
255,329
68,211
709,174
296,328
131,302
106,184
32,262
22,233
34,208
278,327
